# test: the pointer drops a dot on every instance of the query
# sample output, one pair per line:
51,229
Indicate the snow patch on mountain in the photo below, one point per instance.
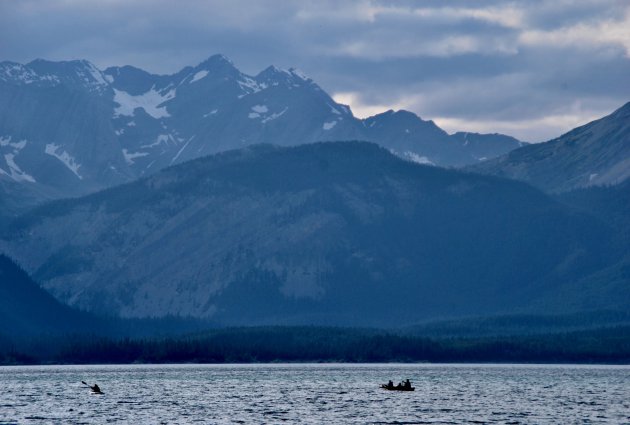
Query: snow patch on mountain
261,109
160,139
63,156
131,156
151,101
274,116
329,125
298,73
249,86
15,172
257,111
6,141
198,76
163,138
414,157
18,73
92,77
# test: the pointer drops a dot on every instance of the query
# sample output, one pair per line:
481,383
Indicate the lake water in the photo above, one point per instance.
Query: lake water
329,393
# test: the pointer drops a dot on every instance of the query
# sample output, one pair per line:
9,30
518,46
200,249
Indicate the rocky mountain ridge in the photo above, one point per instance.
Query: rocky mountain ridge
68,128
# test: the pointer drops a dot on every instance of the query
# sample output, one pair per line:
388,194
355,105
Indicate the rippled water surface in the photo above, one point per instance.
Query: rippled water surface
327,393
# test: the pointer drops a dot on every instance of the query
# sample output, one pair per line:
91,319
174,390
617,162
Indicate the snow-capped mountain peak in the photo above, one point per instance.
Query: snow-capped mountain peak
15,73
79,73
299,74
218,64
97,128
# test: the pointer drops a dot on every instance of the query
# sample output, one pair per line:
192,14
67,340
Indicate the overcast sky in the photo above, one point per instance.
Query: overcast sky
531,69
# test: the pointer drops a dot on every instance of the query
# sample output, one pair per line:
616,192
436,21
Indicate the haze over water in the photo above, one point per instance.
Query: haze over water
316,393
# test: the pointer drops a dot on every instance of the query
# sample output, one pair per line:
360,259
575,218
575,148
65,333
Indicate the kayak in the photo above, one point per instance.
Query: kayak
385,387
95,388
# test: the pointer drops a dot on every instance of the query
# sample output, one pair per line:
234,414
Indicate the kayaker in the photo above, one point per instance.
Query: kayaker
96,388
390,385
407,384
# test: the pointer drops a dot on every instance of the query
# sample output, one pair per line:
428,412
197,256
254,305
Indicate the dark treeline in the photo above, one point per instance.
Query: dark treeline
317,344
519,324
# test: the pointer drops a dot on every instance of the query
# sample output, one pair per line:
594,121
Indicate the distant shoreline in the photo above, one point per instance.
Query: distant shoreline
305,345
325,363
331,364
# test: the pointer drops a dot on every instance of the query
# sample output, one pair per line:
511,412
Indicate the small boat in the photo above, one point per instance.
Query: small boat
385,387
402,386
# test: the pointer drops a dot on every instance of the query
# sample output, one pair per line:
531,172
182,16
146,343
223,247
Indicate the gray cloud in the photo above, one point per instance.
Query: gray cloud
533,69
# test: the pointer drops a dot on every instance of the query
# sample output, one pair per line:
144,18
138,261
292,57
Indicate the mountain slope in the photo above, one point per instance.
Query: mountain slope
25,308
610,205
337,233
67,129
597,153
56,138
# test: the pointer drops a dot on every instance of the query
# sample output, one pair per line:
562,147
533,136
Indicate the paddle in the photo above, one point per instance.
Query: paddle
92,388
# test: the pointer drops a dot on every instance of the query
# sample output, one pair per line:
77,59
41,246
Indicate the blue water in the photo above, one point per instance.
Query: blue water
315,393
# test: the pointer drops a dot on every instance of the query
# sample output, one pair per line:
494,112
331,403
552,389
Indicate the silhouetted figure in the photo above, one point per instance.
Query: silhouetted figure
390,385
407,384
96,388
399,386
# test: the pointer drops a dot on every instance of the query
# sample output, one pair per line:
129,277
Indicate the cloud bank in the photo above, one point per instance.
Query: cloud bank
532,69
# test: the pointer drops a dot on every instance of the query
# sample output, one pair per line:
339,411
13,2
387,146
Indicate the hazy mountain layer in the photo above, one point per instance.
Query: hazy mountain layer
337,233
597,153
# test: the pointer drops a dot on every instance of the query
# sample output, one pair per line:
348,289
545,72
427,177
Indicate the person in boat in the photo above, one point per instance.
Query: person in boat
399,386
96,388
407,385
390,385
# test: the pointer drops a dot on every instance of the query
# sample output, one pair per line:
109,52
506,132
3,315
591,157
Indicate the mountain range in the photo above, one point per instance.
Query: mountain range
326,233
247,200
68,128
